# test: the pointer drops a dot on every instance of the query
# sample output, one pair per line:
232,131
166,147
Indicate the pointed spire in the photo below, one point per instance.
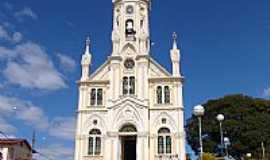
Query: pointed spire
87,45
174,40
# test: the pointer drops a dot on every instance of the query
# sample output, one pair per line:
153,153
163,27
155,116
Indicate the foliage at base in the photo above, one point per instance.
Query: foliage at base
246,123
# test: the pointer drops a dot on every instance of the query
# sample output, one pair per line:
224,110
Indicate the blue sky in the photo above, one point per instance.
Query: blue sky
225,48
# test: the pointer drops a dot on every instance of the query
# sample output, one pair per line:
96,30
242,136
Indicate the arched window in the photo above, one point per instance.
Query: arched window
167,94
164,141
128,128
129,85
125,86
132,85
129,27
96,97
93,96
159,95
99,97
94,144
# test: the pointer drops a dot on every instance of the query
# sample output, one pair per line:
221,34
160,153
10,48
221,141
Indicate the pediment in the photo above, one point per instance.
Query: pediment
102,73
156,70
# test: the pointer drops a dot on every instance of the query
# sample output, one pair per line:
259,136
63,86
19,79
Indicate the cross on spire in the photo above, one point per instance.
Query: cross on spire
87,42
174,36
87,45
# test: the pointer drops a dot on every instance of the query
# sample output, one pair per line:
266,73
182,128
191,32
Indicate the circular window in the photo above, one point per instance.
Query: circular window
129,63
130,9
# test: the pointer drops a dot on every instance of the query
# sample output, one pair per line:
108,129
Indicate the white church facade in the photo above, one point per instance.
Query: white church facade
130,108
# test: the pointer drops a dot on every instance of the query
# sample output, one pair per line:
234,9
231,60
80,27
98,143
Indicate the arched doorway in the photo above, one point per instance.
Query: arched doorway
128,137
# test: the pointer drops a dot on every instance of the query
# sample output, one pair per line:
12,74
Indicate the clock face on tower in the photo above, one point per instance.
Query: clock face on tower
129,63
129,9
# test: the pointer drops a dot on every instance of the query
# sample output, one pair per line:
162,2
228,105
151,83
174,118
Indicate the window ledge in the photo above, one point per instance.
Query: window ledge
163,104
96,106
93,157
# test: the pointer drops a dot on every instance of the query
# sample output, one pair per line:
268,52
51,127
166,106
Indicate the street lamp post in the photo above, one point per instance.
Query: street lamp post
198,111
220,118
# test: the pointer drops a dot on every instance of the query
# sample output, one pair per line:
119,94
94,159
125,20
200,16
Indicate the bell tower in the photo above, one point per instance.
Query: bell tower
131,26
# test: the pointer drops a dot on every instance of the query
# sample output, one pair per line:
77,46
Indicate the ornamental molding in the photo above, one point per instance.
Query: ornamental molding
166,108
115,58
170,123
166,79
132,100
89,82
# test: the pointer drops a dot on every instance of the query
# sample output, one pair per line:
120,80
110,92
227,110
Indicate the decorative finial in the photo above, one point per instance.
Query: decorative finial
87,45
87,42
174,40
174,36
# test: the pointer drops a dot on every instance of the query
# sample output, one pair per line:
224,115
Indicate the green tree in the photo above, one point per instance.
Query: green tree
247,124
208,156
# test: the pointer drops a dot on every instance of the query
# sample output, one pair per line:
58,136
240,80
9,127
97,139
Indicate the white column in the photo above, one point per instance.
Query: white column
139,146
142,78
115,149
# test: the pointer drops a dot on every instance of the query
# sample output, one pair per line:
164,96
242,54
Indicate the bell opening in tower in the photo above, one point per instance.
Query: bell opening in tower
130,32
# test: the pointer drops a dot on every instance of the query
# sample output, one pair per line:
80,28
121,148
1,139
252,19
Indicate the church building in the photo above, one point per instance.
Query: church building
130,108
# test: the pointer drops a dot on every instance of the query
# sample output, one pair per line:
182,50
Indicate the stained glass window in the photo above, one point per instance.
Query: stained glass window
167,94
125,86
91,146
160,145
98,146
94,145
164,141
159,94
168,144
93,97
96,97
128,85
99,97
132,85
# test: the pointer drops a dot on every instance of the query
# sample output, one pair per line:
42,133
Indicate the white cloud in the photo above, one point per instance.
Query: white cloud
3,33
63,128
31,68
66,62
25,111
56,152
26,12
266,93
15,37
6,53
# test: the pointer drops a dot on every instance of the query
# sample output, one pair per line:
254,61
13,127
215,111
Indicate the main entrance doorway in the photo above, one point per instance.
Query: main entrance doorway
128,137
128,144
